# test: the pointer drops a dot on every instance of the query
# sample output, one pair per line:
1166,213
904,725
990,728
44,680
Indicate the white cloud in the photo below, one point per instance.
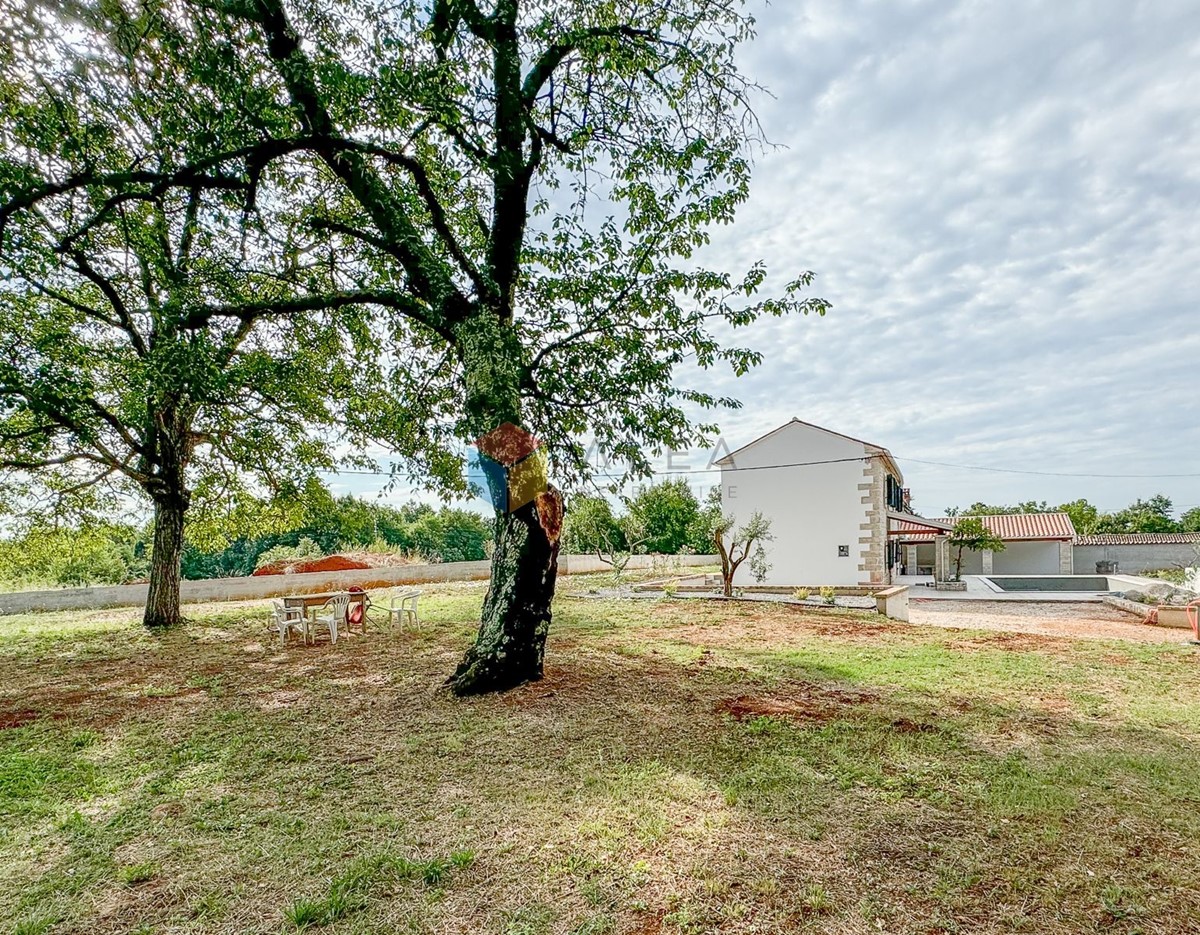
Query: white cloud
1000,200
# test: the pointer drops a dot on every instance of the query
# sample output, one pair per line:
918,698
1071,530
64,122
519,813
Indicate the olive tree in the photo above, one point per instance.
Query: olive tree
970,533
737,543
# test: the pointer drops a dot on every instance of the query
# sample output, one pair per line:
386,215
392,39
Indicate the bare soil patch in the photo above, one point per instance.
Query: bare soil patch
763,625
1013,642
803,703
13,719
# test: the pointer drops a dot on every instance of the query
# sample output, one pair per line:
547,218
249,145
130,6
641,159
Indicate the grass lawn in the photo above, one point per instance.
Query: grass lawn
685,766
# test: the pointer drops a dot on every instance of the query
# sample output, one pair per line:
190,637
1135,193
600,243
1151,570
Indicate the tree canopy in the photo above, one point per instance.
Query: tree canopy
519,194
161,328
1155,514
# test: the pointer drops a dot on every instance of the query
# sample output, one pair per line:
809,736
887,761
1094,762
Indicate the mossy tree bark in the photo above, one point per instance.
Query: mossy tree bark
511,643
168,450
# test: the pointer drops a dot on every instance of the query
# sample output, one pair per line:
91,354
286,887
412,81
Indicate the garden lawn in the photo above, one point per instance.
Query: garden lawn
685,766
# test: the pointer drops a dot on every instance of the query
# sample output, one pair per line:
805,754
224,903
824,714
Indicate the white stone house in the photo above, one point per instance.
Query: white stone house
834,502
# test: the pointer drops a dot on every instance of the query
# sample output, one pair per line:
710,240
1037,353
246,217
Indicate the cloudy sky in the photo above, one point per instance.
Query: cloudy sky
1000,200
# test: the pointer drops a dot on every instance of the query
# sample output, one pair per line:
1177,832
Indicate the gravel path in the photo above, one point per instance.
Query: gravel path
1088,620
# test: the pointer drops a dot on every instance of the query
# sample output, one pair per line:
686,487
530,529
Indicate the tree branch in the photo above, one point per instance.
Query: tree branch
428,278
249,311
125,320
553,56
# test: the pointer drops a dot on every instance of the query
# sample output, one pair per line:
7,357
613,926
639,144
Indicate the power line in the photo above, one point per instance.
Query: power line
768,467
765,467
975,467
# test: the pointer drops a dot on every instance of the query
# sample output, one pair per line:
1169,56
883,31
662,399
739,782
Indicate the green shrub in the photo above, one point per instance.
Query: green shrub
1174,576
671,588
828,595
668,514
801,594
305,548
104,553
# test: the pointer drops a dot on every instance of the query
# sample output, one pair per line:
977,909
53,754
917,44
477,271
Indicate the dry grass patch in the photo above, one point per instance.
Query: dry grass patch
684,767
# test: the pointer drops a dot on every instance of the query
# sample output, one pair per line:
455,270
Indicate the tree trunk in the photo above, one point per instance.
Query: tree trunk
729,573
726,571
162,602
511,644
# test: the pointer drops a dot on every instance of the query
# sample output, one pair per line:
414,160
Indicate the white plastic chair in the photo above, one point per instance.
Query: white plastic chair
404,607
333,614
290,619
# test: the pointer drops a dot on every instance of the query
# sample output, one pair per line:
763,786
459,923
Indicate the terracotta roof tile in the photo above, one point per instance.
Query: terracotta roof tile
1010,526
1140,538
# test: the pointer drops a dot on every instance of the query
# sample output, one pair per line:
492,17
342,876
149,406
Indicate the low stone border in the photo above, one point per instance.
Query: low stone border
1130,607
891,602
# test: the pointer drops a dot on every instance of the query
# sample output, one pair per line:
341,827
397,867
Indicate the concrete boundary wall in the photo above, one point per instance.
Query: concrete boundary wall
248,589
1135,558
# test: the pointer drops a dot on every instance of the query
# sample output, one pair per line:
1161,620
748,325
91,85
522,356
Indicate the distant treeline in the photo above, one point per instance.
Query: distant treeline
1157,514
230,535
230,542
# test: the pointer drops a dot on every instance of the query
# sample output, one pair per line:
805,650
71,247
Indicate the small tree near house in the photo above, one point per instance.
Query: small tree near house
970,533
591,527
735,545
618,549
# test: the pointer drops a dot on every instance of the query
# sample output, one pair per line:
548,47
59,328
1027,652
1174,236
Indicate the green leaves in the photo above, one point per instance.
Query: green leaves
970,533
159,325
533,187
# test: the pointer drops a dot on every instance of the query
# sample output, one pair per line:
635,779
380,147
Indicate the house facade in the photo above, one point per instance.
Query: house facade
1034,544
834,503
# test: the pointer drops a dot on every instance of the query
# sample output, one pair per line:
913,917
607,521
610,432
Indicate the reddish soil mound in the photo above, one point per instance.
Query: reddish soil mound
813,704
302,566
745,707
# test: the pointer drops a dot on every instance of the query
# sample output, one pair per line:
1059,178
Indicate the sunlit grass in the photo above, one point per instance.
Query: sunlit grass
684,767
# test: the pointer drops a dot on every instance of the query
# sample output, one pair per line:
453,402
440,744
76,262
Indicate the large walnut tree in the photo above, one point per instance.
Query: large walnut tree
531,185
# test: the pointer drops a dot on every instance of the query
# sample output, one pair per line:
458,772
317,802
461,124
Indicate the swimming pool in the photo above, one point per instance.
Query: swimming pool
1088,583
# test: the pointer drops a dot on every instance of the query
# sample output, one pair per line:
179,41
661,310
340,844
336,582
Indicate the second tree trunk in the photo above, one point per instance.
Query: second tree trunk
162,601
